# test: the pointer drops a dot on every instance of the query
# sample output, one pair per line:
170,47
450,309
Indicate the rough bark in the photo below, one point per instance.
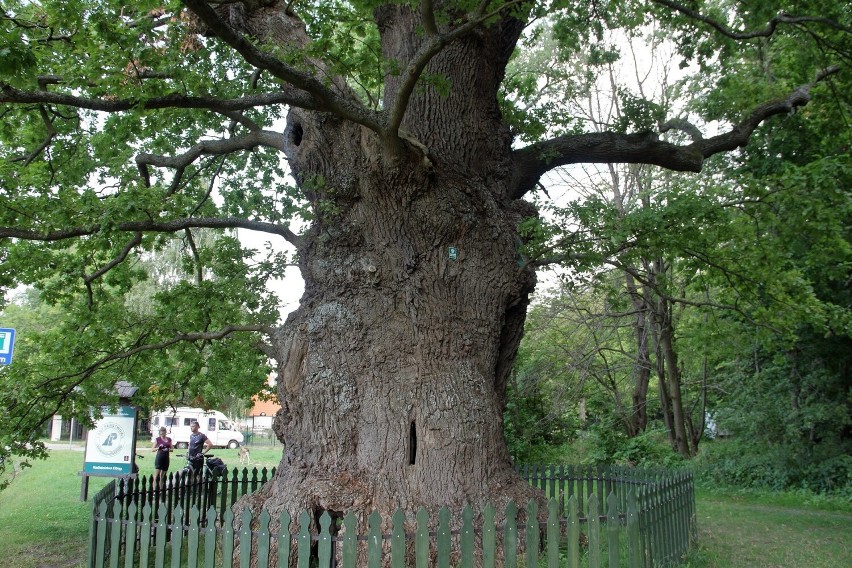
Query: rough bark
392,372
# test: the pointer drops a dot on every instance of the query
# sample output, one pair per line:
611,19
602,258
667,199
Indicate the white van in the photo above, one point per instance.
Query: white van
215,425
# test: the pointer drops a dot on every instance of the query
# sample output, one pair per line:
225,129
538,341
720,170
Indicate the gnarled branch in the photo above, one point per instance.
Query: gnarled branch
739,135
313,89
51,133
684,126
148,226
532,162
88,279
767,31
209,148
9,94
164,344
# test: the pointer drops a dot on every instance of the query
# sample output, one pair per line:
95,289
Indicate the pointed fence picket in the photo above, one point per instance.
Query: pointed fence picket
642,519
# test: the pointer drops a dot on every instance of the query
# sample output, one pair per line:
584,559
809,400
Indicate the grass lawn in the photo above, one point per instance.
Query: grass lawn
43,523
765,532
42,520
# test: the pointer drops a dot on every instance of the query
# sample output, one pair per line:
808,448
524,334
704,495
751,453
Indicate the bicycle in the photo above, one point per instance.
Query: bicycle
198,483
207,465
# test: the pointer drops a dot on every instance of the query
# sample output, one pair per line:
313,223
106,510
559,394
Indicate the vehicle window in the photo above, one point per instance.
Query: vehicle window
171,421
211,424
224,425
155,421
187,421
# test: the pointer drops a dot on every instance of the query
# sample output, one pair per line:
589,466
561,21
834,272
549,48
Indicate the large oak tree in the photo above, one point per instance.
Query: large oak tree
412,155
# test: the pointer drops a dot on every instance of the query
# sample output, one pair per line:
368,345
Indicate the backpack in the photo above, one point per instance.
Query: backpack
216,465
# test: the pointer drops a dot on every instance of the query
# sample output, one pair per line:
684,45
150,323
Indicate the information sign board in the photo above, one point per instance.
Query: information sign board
111,445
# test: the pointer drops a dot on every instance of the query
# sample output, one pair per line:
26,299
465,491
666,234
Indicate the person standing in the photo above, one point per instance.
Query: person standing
162,445
199,443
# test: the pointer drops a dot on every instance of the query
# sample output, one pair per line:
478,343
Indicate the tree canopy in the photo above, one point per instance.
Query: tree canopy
745,267
370,137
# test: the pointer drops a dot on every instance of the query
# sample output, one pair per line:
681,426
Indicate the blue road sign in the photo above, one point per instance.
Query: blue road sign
7,343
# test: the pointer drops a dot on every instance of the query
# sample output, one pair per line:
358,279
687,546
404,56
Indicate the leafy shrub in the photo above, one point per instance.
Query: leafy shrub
606,443
737,463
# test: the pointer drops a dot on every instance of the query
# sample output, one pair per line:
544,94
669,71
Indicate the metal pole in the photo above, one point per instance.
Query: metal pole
71,431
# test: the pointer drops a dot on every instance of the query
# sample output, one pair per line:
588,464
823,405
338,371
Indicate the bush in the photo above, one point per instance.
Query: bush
733,462
606,443
542,454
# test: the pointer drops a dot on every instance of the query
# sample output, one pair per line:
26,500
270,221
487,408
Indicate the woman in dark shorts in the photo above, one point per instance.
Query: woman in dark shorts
162,445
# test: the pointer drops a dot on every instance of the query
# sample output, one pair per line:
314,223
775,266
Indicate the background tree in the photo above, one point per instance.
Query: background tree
32,391
734,279
626,243
393,372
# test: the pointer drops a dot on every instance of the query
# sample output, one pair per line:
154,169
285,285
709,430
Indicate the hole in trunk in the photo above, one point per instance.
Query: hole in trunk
333,529
296,134
412,444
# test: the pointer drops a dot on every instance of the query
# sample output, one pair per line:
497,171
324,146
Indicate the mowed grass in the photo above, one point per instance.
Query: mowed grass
42,520
736,531
43,523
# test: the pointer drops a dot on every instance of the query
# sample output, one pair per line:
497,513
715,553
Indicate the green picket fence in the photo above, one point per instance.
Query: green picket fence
647,520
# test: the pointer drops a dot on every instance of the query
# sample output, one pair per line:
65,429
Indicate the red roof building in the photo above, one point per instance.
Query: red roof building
261,414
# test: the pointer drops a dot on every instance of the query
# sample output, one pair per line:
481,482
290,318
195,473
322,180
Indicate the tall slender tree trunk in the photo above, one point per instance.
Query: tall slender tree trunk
638,419
665,399
665,332
696,431
642,367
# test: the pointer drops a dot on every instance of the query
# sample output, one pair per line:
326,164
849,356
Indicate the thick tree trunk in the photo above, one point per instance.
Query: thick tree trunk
392,373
